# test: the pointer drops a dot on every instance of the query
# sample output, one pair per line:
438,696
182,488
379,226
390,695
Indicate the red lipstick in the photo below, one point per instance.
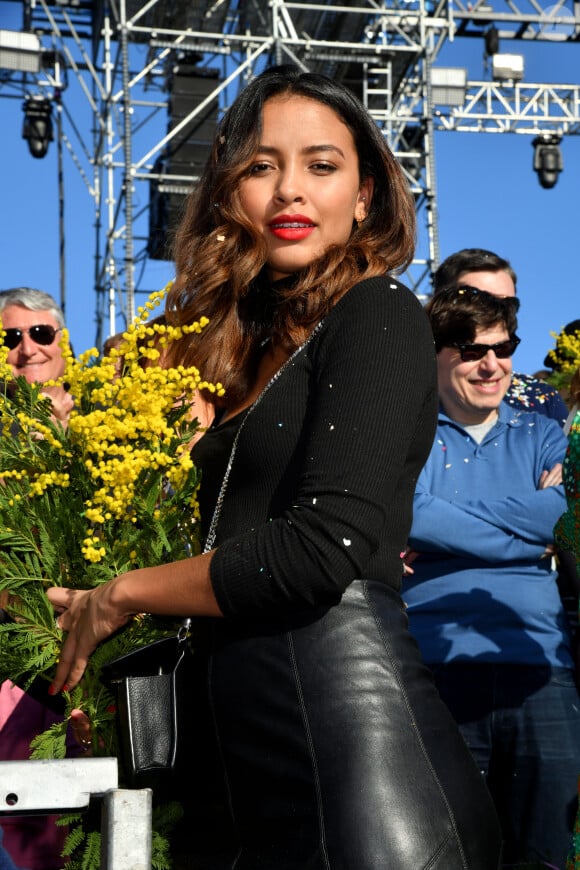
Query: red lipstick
291,227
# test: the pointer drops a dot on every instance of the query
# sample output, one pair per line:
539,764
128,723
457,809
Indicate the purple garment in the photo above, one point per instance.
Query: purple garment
31,841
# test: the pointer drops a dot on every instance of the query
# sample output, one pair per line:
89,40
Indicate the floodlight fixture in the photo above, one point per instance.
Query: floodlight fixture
491,40
507,67
448,86
37,127
548,161
20,51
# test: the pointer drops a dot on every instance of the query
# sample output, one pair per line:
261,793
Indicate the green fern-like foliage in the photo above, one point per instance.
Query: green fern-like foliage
84,839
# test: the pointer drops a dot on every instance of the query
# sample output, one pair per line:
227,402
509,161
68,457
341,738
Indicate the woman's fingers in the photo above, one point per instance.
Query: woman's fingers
71,665
88,618
73,608
59,595
81,728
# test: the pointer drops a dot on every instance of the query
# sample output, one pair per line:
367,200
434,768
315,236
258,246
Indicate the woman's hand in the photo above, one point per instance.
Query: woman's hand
88,617
82,731
183,587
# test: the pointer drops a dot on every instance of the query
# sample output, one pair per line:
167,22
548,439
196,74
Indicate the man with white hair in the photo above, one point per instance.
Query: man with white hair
32,324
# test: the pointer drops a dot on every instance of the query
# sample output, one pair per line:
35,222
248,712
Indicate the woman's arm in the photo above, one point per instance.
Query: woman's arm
89,617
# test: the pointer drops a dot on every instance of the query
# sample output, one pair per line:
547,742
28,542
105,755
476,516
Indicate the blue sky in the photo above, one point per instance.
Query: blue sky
488,196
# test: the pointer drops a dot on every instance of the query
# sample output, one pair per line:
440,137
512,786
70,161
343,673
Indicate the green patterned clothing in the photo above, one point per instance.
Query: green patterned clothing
567,531
567,536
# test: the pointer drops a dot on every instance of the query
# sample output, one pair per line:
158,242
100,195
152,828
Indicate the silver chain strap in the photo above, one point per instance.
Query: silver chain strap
211,535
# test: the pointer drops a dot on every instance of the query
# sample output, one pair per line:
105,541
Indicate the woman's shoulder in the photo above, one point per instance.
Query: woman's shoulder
379,322
384,285
381,302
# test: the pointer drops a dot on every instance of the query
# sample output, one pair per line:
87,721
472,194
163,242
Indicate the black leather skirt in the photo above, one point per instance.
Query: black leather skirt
334,750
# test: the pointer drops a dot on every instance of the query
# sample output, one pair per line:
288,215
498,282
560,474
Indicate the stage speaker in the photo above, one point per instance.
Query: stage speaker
179,167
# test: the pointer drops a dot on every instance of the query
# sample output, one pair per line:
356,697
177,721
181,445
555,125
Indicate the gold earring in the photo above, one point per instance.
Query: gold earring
361,220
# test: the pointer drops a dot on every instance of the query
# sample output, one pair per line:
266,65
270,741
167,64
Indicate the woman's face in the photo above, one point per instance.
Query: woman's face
303,190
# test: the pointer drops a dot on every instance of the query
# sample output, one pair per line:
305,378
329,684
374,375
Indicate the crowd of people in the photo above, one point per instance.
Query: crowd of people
388,661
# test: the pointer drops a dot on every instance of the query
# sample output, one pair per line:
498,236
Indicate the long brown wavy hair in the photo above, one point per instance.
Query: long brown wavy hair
220,257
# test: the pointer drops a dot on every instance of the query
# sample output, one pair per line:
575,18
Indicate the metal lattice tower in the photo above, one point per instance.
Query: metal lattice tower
125,57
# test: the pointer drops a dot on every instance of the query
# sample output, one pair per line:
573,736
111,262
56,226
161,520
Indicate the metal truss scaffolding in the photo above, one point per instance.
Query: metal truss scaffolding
153,77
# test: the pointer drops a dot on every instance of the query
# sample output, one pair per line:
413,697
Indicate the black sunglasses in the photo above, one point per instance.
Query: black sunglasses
475,352
40,334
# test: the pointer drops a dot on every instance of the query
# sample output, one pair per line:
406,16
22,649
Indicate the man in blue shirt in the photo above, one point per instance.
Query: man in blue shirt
488,271
481,588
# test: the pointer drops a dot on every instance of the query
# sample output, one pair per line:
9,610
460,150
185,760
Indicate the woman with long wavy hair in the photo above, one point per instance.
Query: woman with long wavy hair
333,748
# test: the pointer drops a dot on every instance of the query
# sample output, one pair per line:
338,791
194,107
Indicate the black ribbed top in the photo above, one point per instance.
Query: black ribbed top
322,483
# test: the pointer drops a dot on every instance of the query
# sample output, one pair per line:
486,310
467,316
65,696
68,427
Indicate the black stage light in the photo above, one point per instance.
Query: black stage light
37,127
491,40
548,162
